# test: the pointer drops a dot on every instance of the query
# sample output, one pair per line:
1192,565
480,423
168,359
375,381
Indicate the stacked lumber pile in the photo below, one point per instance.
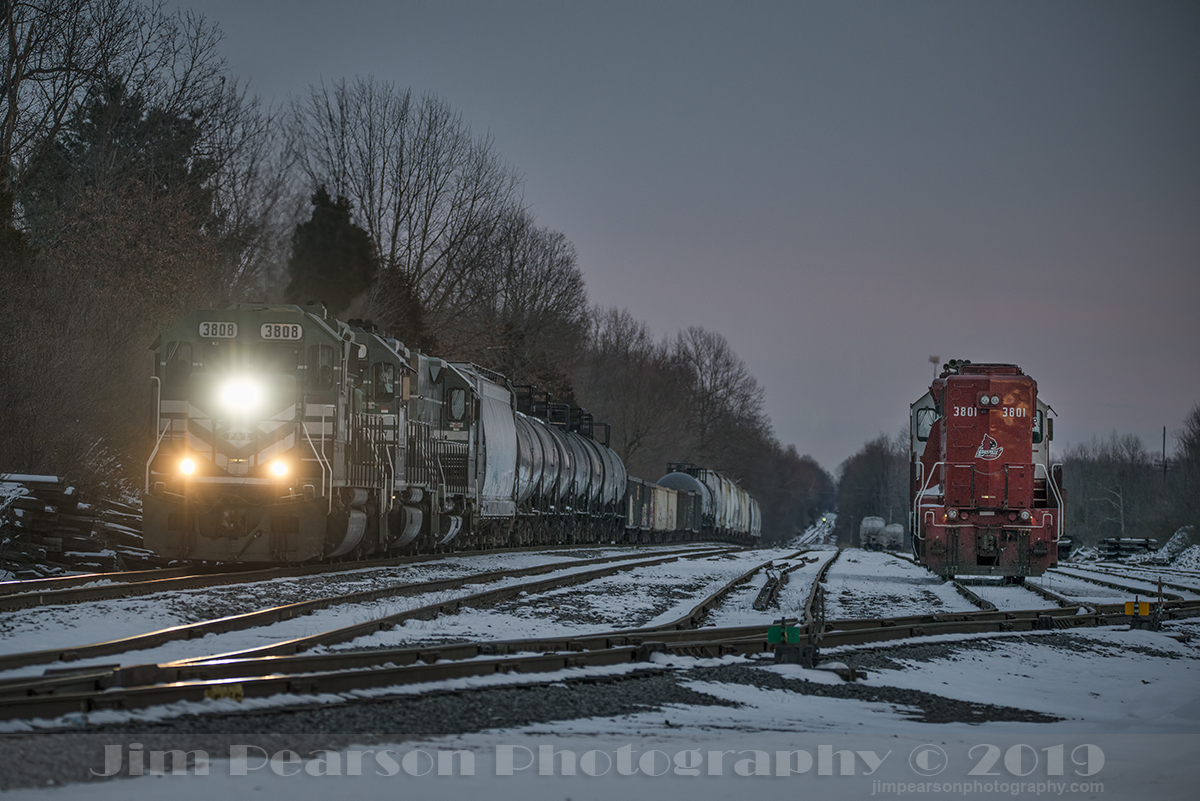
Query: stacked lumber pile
46,531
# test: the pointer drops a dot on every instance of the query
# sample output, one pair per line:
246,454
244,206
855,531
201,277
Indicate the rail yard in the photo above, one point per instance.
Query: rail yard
462,649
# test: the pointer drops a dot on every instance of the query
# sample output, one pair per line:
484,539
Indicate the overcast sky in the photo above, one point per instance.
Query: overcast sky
841,189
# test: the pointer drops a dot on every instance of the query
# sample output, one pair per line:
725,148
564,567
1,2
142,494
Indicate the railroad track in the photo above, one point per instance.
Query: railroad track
1099,577
276,614
369,676
106,586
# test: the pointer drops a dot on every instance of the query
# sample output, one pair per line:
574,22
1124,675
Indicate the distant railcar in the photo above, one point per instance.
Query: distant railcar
986,498
870,533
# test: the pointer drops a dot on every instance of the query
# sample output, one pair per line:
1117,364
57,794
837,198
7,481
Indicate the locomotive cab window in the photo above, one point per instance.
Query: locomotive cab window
179,363
384,379
925,420
320,367
1039,426
457,404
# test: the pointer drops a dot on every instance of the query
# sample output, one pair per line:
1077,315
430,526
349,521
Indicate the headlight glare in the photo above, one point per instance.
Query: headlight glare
240,393
187,467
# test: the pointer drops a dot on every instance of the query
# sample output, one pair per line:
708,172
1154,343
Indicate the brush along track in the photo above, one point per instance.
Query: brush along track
369,676
275,614
128,584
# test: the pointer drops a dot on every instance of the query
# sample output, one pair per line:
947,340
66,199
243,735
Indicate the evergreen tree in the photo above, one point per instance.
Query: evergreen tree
332,259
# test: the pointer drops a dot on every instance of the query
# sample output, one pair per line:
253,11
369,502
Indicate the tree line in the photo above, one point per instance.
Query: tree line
139,180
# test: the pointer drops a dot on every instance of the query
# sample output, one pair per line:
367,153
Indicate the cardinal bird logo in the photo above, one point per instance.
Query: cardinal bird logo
989,449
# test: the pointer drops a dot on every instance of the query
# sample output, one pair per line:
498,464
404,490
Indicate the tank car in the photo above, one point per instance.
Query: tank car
870,533
893,537
726,511
284,435
986,498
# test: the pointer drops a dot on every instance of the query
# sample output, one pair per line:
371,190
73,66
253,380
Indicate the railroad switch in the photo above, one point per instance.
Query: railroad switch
1144,614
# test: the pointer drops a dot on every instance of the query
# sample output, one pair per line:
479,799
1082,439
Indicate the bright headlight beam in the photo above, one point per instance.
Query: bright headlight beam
187,467
239,393
279,468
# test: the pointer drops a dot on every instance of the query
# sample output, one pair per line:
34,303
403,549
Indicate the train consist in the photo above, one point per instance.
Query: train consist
284,435
986,498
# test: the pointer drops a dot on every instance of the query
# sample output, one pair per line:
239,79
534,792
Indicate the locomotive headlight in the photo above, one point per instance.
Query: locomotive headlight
1024,514
240,393
187,467
279,468
995,400
952,514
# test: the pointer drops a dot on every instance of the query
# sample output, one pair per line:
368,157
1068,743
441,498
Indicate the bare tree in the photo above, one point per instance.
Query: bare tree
628,379
524,310
431,194
722,391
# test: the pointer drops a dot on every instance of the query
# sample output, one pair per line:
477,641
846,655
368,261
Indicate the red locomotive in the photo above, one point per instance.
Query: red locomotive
986,499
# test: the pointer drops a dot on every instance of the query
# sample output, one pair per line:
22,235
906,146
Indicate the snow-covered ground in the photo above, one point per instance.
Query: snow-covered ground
1008,597
635,598
873,584
738,609
1128,704
1122,707
1144,584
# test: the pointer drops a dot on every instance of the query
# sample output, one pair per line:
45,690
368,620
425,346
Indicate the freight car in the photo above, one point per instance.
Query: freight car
285,435
986,498
870,533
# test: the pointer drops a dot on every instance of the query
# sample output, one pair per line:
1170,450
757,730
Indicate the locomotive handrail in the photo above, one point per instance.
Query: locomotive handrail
1057,497
924,482
320,456
157,411
154,453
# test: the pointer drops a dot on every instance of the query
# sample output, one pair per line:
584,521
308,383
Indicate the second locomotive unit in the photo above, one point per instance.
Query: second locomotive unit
285,435
986,497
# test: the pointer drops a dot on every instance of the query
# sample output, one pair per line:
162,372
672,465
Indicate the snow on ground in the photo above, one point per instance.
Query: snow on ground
648,596
1144,584
1078,589
1008,597
1129,703
102,627
74,624
864,584
1151,574
738,608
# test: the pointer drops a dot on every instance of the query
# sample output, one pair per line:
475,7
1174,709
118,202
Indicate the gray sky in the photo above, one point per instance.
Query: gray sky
841,189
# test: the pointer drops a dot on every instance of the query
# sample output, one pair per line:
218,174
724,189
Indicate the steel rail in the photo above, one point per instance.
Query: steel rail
972,596
288,611
453,605
379,670
820,579
1134,576
1103,583
1112,585
106,676
40,592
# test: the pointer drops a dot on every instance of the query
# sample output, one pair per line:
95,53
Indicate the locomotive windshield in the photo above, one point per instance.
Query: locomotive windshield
224,358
